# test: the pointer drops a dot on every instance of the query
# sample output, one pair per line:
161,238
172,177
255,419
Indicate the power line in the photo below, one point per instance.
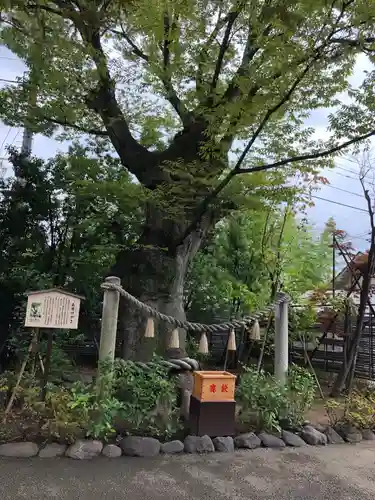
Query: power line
347,176
6,137
359,234
10,58
7,80
355,179
15,137
355,172
11,144
344,190
340,204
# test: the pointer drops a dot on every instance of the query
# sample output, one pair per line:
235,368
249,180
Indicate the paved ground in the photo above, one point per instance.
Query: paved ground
335,473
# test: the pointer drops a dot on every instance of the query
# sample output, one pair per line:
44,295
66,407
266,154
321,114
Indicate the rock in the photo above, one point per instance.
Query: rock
287,426
291,439
368,435
84,449
172,447
70,377
313,437
198,444
135,446
111,451
19,450
320,428
350,433
271,441
224,444
248,441
53,450
333,437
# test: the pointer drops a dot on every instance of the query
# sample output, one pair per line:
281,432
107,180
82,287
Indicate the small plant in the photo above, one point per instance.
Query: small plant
61,421
335,411
265,402
357,410
262,398
149,398
301,392
99,412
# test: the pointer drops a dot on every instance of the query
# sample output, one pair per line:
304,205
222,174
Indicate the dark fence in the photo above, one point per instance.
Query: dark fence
330,351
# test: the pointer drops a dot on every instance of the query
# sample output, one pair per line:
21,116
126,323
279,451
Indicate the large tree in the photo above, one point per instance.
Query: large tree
190,94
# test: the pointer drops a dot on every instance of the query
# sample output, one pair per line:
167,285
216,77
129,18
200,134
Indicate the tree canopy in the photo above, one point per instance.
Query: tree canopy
254,254
193,76
189,95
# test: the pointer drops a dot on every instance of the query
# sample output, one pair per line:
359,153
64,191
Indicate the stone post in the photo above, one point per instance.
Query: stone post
281,342
108,332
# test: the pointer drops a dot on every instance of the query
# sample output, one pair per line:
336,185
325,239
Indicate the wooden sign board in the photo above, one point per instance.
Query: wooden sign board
52,308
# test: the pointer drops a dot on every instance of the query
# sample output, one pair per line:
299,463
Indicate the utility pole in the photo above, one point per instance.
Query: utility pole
333,264
27,142
27,139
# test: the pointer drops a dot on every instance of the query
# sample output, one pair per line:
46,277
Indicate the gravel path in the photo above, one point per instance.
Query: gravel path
342,472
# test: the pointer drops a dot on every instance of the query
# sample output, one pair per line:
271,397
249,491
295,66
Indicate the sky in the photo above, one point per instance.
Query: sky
344,187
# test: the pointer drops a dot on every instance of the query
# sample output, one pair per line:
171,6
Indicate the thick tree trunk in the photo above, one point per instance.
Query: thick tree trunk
154,272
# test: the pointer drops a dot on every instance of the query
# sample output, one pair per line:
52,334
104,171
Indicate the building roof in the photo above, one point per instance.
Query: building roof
357,265
55,290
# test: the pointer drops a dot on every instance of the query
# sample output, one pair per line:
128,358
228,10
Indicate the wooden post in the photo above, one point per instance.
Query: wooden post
47,364
281,342
109,321
32,348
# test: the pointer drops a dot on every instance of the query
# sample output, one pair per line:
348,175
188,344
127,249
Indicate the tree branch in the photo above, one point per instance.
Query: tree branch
137,51
171,95
357,43
46,8
133,155
354,43
166,43
307,156
233,91
202,209
232,16
270,112
203,53
65,123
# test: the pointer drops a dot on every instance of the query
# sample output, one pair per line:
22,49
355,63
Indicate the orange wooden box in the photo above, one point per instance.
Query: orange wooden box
214,386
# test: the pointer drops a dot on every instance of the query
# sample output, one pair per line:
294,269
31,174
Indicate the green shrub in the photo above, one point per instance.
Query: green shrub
262,399
265,402
66,413
149,398
356,409
61,420
142,397
301,392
